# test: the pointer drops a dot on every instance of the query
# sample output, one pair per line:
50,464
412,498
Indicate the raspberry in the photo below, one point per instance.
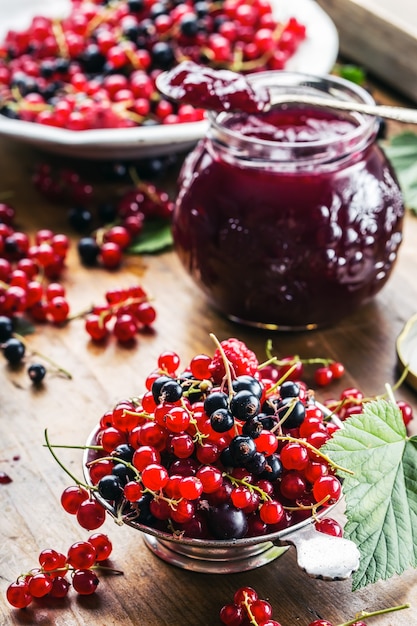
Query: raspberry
242,360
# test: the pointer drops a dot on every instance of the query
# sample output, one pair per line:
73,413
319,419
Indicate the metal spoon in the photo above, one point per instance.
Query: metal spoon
399,114
225,90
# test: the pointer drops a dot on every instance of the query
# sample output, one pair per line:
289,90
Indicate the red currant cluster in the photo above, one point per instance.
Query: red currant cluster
24,265
351,401
50,579
216,451
247,609
127,311
119,223
96,68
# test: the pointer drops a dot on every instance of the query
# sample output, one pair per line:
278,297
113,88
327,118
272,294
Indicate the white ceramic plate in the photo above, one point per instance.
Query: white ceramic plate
316,55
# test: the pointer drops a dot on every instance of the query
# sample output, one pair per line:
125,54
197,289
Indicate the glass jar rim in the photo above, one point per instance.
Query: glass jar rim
329,86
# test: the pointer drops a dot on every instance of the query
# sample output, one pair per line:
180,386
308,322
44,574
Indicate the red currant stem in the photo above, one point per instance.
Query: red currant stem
60,38
62,466
41,570
115,458
310,507
316,451
198,436
246,604
96,448
365,614
139,184
144,414
106,568
245,483
336,406
111,309
226,364
284,377
60,369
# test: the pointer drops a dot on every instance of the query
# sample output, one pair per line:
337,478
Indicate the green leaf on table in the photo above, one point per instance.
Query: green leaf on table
155,237
402,152
23,326
381,495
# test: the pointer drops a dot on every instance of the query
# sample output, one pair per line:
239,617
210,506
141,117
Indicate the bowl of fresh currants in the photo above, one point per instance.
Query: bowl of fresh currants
78,78
218,464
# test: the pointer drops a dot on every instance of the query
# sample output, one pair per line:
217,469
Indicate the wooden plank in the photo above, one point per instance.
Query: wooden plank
381,36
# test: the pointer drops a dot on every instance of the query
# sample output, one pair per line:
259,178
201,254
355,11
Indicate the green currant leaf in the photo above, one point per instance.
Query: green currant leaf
381,495
155,237
402,152
23,326
354,73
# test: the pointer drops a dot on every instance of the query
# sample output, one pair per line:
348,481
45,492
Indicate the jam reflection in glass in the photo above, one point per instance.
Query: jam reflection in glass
289,219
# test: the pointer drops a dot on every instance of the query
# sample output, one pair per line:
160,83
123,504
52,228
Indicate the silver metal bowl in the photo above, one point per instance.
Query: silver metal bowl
318,554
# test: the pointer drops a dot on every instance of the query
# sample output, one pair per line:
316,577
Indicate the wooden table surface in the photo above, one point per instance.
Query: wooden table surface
151,592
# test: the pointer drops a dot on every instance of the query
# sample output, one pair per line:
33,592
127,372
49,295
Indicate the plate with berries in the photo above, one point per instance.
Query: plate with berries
79,78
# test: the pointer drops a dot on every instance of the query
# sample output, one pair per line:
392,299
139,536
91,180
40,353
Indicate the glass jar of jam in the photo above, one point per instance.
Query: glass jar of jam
292,218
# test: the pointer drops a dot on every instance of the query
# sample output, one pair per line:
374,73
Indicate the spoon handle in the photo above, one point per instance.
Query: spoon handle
399,114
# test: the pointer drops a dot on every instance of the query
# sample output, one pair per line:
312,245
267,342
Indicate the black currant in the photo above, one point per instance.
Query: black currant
268,421
6,328
36,372
88,249
162,55
226,458
80,219
257,463
249,383
189,25
157,387
244,405
123,473
109,487
273,468
14,350
252,427
221,420
171,391
91,59
292,411
124,451
242,448
289,389
215,400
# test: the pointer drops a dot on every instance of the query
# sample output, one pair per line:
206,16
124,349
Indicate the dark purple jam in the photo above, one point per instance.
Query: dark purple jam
291,243
216,90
